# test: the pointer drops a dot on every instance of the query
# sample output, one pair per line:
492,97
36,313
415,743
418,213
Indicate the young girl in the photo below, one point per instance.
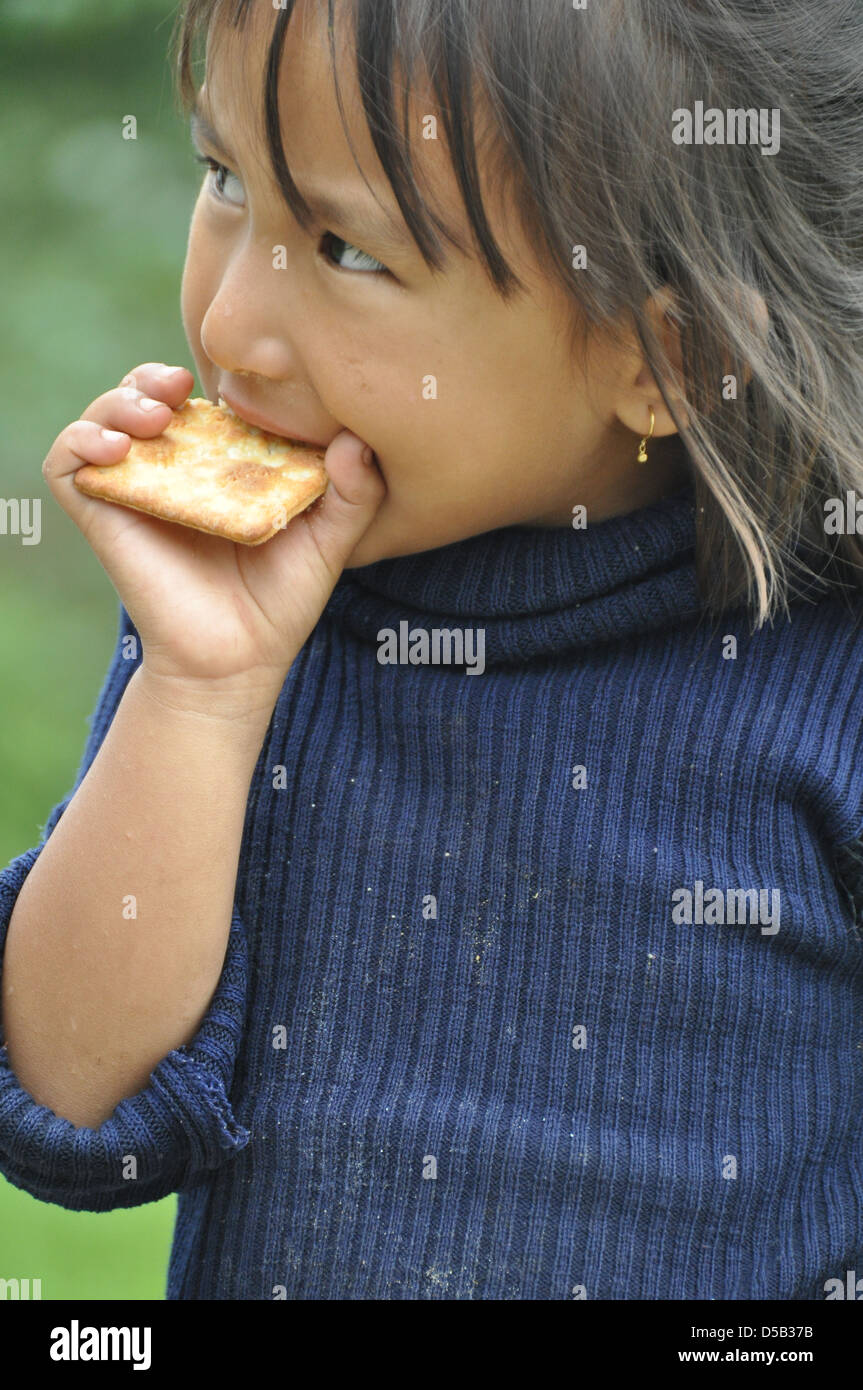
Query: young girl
537,976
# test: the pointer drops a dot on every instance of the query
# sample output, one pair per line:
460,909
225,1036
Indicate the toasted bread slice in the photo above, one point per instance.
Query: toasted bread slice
213,472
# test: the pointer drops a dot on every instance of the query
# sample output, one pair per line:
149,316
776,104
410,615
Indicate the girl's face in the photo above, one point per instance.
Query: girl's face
477,414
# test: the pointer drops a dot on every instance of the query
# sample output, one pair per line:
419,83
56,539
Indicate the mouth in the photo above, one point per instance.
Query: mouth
261,422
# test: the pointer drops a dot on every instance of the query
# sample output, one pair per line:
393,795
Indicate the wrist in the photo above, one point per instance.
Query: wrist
244,707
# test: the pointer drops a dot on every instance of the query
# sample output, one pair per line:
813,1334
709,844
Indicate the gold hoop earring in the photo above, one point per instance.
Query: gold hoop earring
642,452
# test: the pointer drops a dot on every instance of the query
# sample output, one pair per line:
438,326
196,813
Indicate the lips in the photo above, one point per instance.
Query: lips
261,422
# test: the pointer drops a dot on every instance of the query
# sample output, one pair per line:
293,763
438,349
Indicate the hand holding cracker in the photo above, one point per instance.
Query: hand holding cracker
220,623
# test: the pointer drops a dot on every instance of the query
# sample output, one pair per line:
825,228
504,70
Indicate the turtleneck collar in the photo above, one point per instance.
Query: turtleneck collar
538,592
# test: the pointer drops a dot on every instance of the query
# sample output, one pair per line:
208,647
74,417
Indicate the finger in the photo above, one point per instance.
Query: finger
169,384
355,492
84,441
126,408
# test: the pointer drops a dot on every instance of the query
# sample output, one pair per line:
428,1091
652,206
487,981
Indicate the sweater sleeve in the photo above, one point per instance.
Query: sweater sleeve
181,1124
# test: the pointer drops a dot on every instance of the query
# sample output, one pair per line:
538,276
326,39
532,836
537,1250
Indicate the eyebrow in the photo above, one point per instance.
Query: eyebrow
370,221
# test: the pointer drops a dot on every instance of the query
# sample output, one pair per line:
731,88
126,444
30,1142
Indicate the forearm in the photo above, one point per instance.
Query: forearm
118,937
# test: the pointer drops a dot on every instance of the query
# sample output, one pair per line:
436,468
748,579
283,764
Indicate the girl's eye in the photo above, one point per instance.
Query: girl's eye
343,255
219,176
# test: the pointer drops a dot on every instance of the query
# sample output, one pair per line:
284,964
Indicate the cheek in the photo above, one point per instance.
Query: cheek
353,383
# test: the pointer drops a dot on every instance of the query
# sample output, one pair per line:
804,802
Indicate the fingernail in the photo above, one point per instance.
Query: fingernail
128,380
147,403
168,371
112,436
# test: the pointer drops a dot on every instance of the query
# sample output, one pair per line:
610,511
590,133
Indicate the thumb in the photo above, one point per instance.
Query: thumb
350,503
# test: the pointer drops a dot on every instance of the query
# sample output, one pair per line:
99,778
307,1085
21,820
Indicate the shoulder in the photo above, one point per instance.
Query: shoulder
812,646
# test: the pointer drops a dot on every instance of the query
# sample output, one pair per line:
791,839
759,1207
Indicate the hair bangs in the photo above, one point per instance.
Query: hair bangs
389,56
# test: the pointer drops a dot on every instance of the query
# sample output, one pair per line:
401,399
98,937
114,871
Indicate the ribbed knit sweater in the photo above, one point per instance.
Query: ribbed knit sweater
490,1025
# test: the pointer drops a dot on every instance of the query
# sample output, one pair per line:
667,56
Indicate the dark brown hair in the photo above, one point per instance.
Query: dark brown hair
582,104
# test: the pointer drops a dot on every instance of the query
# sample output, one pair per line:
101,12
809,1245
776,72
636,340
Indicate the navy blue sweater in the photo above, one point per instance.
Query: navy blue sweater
543,982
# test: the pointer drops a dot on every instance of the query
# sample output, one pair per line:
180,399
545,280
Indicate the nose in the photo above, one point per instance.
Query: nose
242,331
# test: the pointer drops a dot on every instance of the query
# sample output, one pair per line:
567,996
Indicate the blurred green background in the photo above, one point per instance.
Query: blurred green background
92,242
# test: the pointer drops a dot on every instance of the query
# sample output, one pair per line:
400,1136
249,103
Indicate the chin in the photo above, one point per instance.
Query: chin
381,543
368,552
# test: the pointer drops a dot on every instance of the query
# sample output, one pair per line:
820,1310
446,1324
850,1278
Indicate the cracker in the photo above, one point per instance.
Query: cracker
211,471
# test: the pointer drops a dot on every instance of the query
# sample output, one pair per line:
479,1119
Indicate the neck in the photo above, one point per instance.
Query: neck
608,492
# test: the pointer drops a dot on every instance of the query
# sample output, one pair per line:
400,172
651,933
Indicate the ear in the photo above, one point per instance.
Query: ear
638,392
